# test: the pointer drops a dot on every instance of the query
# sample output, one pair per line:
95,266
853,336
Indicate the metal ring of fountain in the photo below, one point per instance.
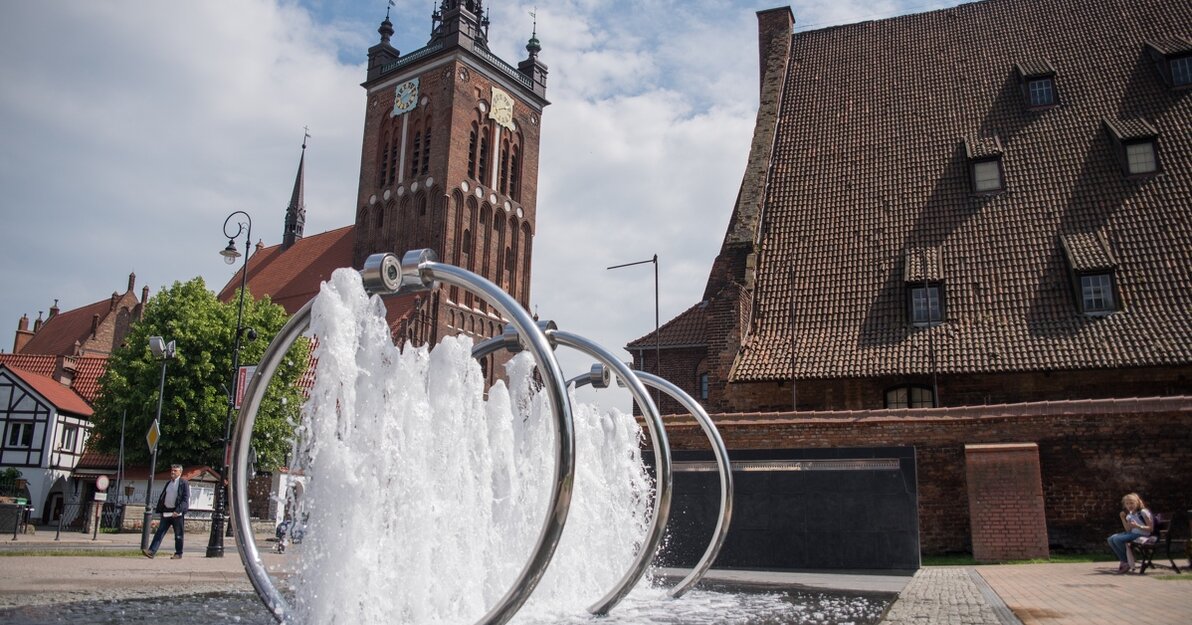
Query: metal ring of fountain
510,340
417,271
598,377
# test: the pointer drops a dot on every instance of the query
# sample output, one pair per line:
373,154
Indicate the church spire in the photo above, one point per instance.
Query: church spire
296,211
457,21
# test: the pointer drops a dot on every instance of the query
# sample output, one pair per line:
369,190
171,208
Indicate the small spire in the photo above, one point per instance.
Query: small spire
296,211
534,46
386,29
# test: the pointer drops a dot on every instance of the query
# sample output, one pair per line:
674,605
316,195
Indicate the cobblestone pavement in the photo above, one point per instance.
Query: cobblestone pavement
939,595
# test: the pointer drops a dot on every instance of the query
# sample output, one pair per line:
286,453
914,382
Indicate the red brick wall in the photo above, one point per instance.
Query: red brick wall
1005,497
1090,454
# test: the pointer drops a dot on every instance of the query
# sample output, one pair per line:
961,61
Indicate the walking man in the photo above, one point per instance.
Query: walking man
172,504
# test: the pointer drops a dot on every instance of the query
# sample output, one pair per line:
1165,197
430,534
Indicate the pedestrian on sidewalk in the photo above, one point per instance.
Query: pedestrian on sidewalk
1137,522
172,505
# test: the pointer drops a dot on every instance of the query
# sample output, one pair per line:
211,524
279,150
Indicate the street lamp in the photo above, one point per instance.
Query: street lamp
164,352
215,544
657,339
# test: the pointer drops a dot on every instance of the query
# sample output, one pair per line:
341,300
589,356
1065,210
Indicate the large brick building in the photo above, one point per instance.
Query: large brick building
964,228
449,161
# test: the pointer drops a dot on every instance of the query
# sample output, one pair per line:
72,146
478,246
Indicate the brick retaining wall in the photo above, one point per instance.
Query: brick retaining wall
1091,452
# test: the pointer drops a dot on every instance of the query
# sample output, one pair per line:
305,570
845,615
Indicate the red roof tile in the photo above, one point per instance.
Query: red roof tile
60,396
88,370
869,165
291,278
60,333
683,331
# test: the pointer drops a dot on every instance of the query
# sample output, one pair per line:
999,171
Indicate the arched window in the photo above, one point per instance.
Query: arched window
421,201
379,217
416,156
384,169
426,147
515,174
482,169
473,139
504,186
527,242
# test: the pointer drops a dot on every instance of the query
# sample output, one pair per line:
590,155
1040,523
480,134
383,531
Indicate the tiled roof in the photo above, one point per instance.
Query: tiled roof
685,330
94,460
291,278
59,333
1177,44
1034,68
1087,251
60,396
982,147
868,164
88,370
1130,128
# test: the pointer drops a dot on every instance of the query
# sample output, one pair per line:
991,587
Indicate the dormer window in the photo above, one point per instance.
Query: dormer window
1092,266
985,165
1173,60
1137,144
1037,78
923,275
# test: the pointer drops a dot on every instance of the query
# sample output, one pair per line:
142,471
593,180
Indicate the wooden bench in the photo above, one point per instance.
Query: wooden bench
1160,538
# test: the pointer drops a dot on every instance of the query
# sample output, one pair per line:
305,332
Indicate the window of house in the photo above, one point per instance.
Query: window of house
985,164
68,438
703,386
1181,71
1137,145
926,304
1041,92
910,396
987,176
20,434
1140,157
1096,293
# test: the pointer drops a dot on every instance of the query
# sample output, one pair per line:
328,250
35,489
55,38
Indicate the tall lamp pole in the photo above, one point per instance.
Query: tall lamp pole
164,352
215,544
657,339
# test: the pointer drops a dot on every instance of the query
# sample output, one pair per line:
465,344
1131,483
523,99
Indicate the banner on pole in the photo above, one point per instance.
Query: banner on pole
243,376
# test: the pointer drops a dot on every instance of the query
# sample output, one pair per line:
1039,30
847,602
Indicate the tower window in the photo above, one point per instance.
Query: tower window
515,174
417,156
426,149
910,396
472,144
482,159
504,168
1096,293
926,304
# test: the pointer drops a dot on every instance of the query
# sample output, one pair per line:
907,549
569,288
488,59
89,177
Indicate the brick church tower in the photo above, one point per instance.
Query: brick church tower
450,162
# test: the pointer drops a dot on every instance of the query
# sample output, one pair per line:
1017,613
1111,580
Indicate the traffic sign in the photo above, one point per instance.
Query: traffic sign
153,436
101,483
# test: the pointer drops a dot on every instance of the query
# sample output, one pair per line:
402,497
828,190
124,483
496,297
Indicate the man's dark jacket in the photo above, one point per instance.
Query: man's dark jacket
181,502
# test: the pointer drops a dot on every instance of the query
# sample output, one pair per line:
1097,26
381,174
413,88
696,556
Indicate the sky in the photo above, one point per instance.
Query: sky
131,129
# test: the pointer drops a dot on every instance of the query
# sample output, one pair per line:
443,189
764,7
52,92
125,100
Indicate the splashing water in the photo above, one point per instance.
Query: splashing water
424,497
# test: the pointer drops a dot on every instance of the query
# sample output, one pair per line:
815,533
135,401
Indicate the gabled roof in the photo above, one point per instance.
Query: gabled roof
88,370
292,277
60,333
868,162
686,330
64,399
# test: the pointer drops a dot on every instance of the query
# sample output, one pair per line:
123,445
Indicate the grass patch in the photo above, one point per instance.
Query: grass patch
87,553
1171,576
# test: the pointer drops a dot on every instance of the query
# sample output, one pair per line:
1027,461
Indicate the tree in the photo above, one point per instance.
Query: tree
195,398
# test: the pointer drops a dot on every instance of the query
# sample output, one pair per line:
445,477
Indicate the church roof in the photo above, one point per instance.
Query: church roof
291,277
871,167
88,369
62,397
686,330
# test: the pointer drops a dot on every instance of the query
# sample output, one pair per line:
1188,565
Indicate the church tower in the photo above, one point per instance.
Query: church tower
296,211
450,162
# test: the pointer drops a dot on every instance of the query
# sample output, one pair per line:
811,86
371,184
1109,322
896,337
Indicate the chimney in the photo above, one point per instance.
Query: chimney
23,335
144,293
132,281
115,299
64,370
37,323
53,310
94,324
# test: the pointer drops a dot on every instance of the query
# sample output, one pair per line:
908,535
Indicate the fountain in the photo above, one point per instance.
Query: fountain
433,500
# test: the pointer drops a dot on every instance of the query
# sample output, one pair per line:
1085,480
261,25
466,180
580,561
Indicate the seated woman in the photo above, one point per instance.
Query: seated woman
1137,522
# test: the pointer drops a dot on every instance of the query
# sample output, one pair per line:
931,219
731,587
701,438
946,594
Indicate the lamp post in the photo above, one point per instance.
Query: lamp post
165,352
657,339
215,544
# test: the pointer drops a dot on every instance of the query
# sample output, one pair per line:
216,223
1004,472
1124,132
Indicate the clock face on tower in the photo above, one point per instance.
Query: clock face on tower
405,97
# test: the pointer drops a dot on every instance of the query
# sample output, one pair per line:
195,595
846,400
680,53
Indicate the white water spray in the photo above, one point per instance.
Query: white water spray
424,497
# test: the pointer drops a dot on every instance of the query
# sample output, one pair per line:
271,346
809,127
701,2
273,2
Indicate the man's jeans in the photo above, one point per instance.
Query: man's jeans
167,522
